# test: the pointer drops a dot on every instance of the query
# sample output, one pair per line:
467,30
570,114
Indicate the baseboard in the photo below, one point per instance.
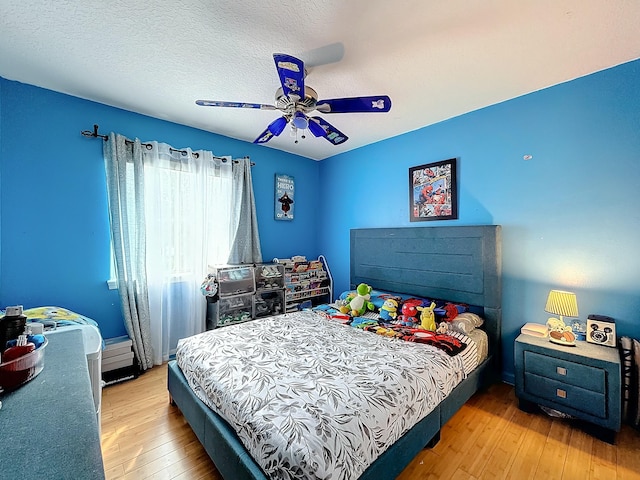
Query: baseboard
120,375
509,378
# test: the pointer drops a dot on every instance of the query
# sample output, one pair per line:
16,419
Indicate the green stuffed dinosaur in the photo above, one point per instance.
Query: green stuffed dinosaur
359,303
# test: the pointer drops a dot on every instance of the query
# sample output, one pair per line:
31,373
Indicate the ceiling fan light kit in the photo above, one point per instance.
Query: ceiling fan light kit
296,101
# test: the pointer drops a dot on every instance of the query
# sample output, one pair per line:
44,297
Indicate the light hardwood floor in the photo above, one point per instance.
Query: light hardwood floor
144,437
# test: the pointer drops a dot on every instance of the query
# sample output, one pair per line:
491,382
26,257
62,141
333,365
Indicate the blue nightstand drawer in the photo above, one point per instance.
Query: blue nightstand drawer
565,372
586,401
581,381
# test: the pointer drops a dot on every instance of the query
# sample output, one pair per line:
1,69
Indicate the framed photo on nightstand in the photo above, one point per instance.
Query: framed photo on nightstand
601,330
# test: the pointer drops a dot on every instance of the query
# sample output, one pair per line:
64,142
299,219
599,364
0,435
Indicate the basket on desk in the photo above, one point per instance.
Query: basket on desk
22,369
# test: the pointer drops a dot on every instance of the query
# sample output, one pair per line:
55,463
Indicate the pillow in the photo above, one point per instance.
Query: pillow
476,319
465,323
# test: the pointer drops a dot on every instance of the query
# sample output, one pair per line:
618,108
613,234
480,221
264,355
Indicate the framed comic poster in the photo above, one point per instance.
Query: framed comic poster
433,192
285,188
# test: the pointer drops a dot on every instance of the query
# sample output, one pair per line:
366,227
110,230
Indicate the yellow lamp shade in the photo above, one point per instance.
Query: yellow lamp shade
562,303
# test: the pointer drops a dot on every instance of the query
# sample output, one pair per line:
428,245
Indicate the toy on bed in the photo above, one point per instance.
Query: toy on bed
409,309
443,327
362,322
427,317
451,311
331,312
389,310
359,303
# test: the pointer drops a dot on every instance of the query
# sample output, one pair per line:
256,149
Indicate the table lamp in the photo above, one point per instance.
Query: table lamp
563,304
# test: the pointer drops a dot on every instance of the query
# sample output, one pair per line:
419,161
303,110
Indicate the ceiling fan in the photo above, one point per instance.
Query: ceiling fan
296,100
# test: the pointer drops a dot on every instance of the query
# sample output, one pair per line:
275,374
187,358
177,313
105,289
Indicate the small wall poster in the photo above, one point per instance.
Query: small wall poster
285,188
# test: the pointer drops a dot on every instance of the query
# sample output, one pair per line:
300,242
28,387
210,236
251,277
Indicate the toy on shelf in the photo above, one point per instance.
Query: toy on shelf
238,293
305,280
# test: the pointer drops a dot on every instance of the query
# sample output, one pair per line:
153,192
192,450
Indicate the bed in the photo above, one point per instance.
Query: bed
459,264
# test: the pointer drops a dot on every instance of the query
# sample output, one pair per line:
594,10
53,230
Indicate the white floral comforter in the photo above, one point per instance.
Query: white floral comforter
312,398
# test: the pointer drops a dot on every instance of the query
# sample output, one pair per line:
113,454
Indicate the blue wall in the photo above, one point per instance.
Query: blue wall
54,221
570,215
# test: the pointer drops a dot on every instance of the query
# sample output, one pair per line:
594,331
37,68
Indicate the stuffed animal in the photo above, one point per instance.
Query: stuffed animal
427,317
389,310
358,322
451,311
409,311
359,303
443,327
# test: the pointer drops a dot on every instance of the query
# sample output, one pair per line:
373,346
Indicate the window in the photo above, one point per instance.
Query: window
187,213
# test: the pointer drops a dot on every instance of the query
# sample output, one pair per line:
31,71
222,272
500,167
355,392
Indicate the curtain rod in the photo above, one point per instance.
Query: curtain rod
95,134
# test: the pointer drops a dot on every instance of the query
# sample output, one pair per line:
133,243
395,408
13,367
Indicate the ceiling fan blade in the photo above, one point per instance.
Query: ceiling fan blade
291,73
324,55
380,103
215,103
316,129
333,135
274,129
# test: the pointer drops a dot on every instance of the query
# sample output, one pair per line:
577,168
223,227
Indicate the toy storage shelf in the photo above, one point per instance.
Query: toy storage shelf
246,292
306,281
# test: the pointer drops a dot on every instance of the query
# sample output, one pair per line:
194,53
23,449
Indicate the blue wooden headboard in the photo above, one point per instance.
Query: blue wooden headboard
460,264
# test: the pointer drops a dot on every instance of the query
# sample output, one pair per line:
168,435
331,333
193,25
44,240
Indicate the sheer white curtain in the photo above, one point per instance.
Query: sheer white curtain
170,215
187,207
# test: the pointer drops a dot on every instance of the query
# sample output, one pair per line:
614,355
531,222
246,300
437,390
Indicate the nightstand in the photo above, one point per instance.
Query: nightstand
582,381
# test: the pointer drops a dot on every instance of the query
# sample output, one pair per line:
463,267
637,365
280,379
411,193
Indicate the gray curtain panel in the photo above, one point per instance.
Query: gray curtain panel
245,247
125,173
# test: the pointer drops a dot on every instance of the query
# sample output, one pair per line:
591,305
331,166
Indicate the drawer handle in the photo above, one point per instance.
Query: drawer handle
561,393
561,371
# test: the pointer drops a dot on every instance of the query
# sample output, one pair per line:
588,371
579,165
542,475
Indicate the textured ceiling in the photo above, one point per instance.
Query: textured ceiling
435,59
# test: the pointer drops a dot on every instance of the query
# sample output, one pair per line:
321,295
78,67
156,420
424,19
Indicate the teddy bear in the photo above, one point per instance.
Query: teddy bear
359,303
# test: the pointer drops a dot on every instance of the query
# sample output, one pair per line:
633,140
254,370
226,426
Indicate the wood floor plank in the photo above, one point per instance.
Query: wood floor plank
554,453
143,437
204,470
525,465
486,440
508,445
603,461
628,454
578,461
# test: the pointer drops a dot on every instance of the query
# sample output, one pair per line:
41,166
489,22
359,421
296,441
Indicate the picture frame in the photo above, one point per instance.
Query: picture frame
284,197
601,330
433,191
